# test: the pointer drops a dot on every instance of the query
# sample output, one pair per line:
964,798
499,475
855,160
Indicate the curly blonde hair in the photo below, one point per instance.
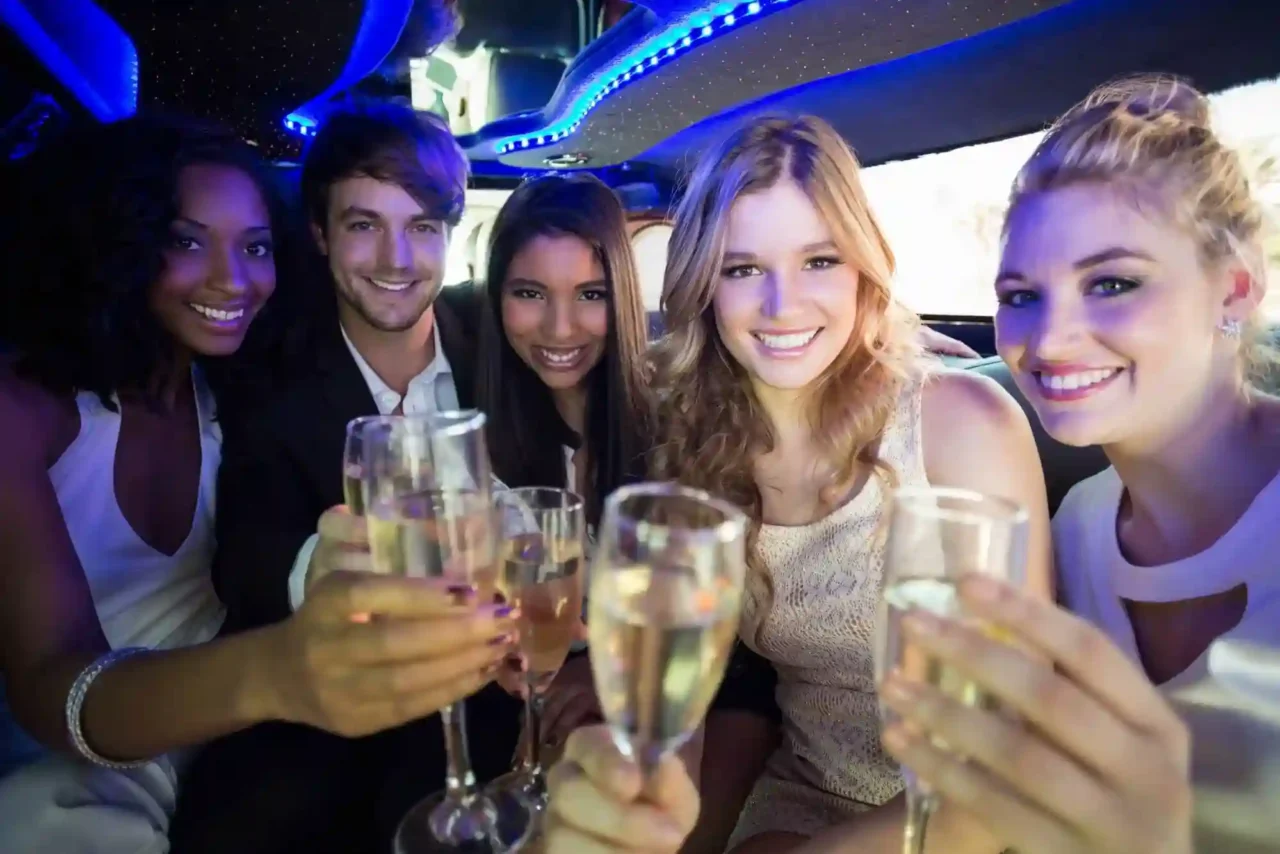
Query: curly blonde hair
712,427
1150,136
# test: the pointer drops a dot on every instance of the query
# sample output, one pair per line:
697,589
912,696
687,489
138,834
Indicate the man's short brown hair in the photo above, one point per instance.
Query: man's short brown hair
388,142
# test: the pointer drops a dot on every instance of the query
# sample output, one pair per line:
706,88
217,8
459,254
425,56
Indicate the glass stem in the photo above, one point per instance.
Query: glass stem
919,809
460,780
533,704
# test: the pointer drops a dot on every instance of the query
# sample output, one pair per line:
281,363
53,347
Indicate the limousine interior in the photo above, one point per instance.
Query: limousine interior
940,98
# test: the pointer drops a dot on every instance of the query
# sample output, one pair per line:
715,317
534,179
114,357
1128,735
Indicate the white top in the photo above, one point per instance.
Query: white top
433,390
819,635
142,597
1095,576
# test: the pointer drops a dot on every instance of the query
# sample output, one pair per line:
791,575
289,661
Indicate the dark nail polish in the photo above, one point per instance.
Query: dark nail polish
503,612
464,591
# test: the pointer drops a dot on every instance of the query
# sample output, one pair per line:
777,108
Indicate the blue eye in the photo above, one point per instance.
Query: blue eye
1018,299
1110,286
740,271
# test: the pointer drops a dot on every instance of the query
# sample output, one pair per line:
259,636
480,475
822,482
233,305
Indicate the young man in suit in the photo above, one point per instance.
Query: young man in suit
382,186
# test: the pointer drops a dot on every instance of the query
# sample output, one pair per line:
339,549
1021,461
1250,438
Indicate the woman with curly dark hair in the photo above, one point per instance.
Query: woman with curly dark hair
144,252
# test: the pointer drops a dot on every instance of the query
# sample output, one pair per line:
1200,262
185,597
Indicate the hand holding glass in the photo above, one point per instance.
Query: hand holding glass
426,489
937,536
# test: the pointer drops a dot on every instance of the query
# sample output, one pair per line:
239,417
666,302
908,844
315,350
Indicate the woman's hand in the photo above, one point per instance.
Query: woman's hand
1100,765
428,644
944,345
599,801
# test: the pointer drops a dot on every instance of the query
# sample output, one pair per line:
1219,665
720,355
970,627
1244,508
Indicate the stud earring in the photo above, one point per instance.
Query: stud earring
1230,328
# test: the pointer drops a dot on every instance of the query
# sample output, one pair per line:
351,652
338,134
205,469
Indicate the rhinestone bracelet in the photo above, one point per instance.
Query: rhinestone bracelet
75,703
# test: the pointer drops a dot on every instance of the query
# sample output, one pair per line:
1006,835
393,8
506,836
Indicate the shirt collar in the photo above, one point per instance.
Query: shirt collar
387,398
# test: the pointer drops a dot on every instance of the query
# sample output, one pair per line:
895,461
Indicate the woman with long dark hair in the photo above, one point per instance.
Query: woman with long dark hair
562,341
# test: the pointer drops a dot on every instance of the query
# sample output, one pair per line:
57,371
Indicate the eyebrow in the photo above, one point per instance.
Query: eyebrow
819,246
367,213
197,224
353,211
521,282
1115,253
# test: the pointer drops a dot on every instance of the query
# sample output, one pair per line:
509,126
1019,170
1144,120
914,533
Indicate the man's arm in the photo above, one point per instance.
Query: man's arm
265,516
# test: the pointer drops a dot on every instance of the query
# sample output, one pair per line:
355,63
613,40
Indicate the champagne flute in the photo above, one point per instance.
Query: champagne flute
666,593
429,507
936,537
353,458
540,571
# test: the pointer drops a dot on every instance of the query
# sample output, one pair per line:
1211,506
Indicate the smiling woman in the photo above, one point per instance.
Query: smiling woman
562,341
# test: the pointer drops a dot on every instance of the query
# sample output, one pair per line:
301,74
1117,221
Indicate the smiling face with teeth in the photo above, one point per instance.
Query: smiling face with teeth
1108,316
555,309
786,302
385,252
218,266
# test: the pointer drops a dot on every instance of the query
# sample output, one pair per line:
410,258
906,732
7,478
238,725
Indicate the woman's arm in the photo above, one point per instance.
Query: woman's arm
318,667
977,437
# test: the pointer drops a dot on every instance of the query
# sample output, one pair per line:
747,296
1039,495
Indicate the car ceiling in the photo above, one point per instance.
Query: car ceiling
897,79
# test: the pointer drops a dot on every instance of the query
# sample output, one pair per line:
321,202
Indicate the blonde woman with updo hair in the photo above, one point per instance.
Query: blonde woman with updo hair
791,383
1129,287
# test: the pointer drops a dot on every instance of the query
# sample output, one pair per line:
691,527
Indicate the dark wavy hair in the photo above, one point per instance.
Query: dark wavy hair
86,245
526,432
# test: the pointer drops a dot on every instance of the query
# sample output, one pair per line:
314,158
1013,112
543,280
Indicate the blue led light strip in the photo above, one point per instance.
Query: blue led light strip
655,52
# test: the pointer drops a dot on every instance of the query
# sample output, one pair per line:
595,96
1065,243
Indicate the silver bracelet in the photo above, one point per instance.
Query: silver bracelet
75,703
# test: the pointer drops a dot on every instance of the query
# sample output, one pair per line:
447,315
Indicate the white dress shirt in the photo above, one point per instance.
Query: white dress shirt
433,390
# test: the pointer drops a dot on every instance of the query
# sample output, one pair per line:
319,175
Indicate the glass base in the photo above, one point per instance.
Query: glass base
478,827
521,801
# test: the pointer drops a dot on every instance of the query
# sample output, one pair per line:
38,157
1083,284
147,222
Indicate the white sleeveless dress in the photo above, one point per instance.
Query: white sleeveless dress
819,634
143,598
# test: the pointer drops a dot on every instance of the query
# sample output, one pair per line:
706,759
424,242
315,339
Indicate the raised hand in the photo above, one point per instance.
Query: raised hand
599,801
427,645
1098,763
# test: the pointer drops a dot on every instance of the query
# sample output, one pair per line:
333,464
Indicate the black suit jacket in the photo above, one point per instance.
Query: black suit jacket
282,463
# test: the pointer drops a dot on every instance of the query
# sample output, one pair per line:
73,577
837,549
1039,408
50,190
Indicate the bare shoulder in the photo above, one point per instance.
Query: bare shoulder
34,424
964,407
977,437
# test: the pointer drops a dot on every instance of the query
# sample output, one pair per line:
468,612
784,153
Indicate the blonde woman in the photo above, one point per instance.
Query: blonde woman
791,383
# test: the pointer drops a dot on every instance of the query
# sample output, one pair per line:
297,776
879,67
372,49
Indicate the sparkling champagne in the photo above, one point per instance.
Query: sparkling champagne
937,596
435,535
544,578
352,489
659,644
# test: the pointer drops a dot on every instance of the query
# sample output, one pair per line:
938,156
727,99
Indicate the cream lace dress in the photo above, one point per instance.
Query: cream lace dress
819,635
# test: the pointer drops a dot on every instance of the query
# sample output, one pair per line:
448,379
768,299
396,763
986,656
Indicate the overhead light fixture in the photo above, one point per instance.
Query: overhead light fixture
658,50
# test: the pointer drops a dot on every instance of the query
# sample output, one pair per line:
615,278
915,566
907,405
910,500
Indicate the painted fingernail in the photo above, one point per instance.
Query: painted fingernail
461,591
503,612
981,588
